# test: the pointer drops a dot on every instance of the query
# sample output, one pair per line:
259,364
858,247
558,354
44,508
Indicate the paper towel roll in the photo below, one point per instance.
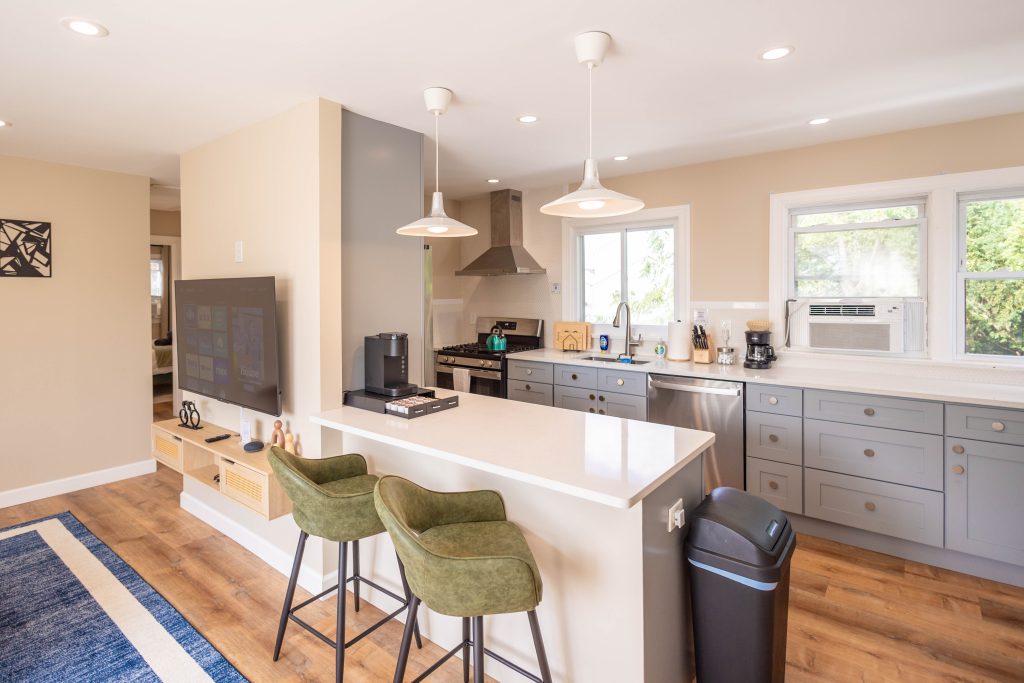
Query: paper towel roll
678,345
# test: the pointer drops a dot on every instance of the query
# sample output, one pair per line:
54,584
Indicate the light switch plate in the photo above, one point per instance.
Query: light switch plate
556,288
676,516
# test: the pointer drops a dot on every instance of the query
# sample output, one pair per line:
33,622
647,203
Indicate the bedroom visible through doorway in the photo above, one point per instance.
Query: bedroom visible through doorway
164,269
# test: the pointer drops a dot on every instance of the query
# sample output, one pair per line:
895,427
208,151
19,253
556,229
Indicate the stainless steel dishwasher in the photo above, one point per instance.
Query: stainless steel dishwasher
708,405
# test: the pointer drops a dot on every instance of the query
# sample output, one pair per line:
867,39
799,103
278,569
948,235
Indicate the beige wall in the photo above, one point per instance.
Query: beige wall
166,223
76,345
729,202
276,187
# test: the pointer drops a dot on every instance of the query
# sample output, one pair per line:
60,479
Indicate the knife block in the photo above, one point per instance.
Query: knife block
705,356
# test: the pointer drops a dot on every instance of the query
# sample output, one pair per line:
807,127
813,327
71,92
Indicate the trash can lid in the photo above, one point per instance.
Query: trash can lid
739,526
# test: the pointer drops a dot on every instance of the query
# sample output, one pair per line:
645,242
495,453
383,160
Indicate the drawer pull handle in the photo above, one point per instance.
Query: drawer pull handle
591,410
601,411
772,400
998,426
529,372
592,397
773,438
869,452
620,381
958,449
528,387
574,376
958,469
600,398
869,506
773,485
869,411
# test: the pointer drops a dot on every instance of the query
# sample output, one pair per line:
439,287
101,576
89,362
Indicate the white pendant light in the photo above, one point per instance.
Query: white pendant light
437,223
592,199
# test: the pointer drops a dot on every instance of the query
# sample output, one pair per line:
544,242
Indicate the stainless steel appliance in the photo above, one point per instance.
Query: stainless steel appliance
387,364
760,353
708,405
506,255
487,368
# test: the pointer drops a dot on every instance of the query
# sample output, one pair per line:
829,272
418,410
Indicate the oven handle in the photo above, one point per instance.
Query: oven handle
482,374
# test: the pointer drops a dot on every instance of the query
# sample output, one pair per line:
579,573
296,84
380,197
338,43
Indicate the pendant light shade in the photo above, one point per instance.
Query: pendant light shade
437,223
592,199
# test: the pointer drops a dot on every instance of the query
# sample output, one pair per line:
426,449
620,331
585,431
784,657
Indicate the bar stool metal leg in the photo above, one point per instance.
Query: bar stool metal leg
408,595
478,650
339,645
355,571
465,649
538,644
403,651
290,593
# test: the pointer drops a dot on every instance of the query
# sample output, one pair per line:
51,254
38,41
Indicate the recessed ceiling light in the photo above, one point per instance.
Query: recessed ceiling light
529,118
621,157
776,53
819,121
84,27
493,180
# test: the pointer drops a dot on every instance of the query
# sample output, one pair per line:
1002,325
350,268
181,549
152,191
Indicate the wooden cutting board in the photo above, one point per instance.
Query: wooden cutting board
572,336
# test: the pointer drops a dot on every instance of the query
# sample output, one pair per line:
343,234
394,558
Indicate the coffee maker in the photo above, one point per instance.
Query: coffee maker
760,353
387,364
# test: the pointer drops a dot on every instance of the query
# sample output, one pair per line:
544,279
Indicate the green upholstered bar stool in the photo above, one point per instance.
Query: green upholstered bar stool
464,559
332,498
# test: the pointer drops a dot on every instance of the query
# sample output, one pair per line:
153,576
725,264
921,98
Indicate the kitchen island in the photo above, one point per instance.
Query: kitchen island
592,495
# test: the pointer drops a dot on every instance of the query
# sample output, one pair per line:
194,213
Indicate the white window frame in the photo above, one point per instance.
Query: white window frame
922,238
962,275
942,213
573,229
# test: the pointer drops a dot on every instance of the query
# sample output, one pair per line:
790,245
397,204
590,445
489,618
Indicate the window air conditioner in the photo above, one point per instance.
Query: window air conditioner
895,326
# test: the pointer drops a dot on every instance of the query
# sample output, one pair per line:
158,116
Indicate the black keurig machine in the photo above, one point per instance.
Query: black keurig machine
760,353
387,364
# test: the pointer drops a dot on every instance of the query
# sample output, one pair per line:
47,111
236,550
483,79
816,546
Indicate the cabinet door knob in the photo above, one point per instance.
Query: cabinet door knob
773,438
958,449
574,376
998,426
528,387
958,469
772,400
869,411
529,372
773,485
869,506
620,381
600,398
591,410
592,397
869,452
601,411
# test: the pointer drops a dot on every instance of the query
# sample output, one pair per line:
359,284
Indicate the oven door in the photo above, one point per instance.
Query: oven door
486,382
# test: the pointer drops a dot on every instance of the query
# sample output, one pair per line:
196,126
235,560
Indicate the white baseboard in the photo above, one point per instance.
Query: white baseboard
78,482
309,579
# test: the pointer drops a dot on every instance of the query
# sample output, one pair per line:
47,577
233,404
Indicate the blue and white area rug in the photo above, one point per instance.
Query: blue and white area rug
72,610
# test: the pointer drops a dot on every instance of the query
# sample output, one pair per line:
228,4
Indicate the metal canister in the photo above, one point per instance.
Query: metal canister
726,355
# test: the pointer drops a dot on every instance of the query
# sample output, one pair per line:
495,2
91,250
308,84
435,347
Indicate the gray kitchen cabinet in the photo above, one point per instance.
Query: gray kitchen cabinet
575,398
576,376
874,411
985,499
530,371
765,398
530,392
775,437
780,484
889,455
622,405
985,424
622,381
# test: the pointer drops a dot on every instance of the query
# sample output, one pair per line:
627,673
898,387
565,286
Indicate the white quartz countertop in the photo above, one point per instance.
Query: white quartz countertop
932,383
608,460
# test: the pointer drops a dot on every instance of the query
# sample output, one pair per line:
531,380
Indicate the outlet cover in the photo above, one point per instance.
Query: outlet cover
556,288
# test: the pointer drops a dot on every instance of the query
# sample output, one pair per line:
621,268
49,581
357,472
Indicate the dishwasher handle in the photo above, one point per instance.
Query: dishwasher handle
697,388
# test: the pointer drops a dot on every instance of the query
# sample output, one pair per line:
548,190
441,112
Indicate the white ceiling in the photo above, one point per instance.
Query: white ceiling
683,82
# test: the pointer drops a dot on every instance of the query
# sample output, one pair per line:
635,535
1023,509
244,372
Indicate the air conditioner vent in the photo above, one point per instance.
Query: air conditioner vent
843,309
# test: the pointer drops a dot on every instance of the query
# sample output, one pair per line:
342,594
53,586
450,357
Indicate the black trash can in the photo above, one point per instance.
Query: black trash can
738,549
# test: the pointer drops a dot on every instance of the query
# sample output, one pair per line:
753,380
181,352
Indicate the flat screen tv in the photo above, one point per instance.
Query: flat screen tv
226,339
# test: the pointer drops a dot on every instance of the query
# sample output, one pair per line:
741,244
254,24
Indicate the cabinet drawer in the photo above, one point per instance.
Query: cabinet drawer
530,392
775,437
628,382
874,411
529,370
891,509
986,424
622,405
244,485
984,501
884,454
780,484
575,398
166,448
769,399
576,376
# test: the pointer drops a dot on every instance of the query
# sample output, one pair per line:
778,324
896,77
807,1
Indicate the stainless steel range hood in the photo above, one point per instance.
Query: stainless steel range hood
506,255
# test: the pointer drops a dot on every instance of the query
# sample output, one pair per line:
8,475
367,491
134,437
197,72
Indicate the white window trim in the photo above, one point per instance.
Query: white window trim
960,353
573,228
942,212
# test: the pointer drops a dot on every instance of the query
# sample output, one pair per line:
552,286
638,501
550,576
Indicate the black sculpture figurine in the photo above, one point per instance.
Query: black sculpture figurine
189,415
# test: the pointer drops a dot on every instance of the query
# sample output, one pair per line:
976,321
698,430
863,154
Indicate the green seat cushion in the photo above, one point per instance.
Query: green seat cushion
363,483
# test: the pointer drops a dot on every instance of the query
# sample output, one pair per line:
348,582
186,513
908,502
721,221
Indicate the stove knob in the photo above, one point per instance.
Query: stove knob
483,364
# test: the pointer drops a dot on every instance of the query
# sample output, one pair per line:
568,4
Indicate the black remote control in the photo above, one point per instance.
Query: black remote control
219,437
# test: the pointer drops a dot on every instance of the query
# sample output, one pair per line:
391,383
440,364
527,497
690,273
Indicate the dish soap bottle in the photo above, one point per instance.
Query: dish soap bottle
659,349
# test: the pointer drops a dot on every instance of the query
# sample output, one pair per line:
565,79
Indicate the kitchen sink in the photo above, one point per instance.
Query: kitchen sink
609,359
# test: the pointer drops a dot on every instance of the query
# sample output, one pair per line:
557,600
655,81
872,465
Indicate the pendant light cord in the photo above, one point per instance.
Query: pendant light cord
437,154
590,110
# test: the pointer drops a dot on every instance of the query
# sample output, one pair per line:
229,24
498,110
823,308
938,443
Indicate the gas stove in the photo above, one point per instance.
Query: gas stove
487,368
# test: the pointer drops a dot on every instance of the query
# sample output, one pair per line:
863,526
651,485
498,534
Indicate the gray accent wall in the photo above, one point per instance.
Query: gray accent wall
382,272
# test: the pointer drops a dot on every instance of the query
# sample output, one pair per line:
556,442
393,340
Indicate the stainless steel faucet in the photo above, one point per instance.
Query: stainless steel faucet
631,343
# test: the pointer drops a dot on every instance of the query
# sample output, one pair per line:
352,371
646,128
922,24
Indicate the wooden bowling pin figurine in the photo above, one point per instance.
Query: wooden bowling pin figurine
277,436
289,442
